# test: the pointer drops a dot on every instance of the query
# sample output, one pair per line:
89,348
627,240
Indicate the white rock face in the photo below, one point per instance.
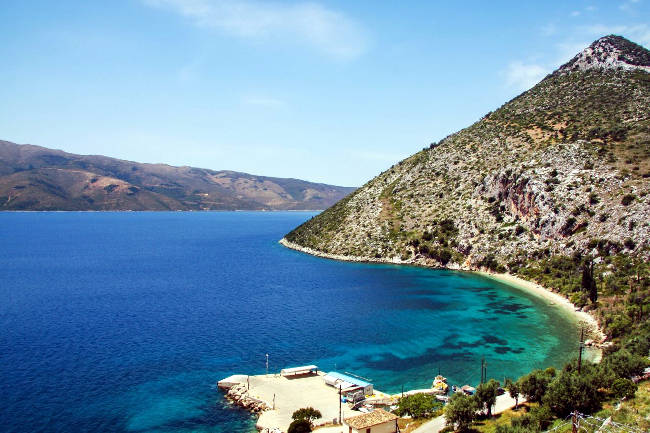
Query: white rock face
607,53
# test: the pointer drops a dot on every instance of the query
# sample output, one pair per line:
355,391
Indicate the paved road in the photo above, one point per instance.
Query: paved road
504,402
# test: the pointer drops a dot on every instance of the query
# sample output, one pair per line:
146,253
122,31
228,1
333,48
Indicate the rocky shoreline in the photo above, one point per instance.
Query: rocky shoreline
239,396
598,336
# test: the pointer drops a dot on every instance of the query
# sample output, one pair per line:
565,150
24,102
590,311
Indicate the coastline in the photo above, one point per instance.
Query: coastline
556,298
530,287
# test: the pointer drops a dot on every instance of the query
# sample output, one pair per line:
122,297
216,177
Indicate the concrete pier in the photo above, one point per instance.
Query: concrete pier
284,395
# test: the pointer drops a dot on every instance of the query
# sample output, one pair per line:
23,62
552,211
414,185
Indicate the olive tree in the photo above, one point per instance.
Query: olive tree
461,411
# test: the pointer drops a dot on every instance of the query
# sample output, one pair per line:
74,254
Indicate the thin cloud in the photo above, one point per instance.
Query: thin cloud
628,5
639,33
521,76
313,24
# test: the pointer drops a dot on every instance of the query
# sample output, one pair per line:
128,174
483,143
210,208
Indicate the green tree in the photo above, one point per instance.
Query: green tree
461,411
513,391
486,395
534,385
572,391
299,426
307,413
588,281
418,406
625,364
624,388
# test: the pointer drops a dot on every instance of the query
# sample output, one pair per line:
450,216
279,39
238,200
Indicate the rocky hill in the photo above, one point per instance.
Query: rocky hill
37,178
562,168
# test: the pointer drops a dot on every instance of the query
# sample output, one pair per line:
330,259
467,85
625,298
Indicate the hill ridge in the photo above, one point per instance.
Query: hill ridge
37,178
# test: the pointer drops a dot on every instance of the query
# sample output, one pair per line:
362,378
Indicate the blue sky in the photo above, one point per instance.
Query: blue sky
328,91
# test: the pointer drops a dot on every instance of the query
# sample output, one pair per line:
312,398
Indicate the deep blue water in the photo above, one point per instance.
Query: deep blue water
124,321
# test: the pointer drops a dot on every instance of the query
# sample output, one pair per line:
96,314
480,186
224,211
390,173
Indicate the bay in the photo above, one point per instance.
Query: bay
124,321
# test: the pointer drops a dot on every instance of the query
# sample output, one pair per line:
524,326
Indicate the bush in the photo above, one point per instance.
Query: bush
537,420
627,199
299,426
624,388
490,262
534,385
418,406
572,391
625,364
307,413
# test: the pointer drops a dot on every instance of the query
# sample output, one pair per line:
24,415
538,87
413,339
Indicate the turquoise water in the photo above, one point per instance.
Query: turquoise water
124,321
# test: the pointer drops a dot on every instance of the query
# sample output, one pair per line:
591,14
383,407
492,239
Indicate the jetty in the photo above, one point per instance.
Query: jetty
276,396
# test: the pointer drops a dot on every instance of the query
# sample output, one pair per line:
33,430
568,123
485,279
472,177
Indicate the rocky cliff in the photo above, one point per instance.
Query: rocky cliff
562,168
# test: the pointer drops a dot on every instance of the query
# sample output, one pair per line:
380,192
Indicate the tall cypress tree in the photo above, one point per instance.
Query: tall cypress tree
588,281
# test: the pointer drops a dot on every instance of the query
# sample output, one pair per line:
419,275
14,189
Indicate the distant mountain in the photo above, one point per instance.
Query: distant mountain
562,169
37,178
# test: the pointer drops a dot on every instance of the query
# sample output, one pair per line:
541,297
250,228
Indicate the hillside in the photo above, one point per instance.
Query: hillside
553,187
563,168
38,178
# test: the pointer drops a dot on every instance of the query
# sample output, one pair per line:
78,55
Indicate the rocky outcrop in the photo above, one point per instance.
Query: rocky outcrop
238,395
610,52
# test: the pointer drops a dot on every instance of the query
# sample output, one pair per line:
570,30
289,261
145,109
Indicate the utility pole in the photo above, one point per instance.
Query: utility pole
483,370
574,422
267,364
340,412
582,335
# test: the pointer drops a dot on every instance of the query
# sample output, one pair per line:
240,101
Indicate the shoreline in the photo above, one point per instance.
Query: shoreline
529,287
556,298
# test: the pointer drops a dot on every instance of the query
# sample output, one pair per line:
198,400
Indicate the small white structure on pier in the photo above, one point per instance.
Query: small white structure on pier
305,369
347,383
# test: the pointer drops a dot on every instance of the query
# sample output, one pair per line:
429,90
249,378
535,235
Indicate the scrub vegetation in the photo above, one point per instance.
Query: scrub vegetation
554,187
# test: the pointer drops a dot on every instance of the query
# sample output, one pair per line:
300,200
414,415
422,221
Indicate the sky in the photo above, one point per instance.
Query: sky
326,91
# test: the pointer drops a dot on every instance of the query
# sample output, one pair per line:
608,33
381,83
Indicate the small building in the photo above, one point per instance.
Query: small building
347,383
377,421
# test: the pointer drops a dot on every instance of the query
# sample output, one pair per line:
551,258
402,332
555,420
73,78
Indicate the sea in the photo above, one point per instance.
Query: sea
125,321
